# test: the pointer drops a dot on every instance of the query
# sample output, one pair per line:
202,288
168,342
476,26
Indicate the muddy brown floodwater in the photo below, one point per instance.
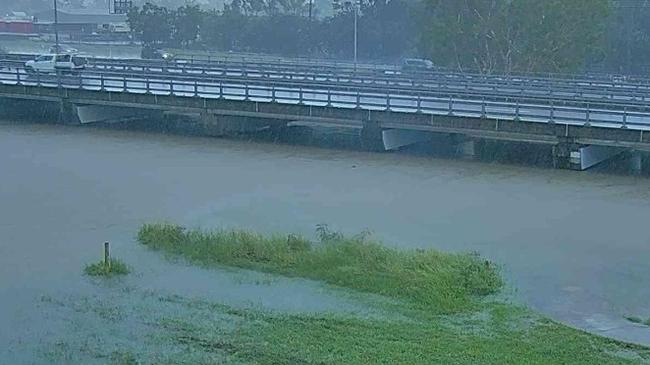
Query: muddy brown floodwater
572,245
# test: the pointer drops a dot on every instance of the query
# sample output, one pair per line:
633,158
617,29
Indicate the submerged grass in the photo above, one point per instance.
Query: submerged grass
441,321
638,320
116,267
506,335
440,282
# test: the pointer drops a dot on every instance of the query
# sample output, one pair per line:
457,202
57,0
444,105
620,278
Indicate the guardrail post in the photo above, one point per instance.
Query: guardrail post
388,101
358,106
551,116
196,88
38,78
329,98
483,112
101,82
450,111
624,126
171,87
300,99
419,103
246,92
58,80
148,86
588,122
124,83
273,100
220,90
18,76
517,111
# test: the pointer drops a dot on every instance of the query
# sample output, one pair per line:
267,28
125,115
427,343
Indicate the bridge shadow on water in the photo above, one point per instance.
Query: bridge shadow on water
439,146
442,146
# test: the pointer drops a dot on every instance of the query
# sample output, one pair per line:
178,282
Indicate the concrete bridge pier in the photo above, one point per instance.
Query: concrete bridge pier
574,156
375,138
106,114
636,163
371,137
465,147
229,125
68,113
393,139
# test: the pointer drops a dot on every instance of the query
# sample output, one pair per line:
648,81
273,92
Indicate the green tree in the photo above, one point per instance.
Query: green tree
151,23
512,35
187,21
628,47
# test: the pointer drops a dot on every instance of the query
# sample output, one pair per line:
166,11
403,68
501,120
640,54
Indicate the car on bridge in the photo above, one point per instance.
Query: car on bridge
150,53
417,64
56,63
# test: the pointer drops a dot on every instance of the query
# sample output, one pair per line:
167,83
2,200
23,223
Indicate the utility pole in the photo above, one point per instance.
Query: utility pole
356,21
311,7
56,26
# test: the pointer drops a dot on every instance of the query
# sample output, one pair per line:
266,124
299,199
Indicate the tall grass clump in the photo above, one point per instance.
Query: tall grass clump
116,267
441,282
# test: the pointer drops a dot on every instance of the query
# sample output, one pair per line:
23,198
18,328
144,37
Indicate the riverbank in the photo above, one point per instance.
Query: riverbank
436,308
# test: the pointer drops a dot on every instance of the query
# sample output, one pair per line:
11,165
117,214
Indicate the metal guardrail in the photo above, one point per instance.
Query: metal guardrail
361,97
340,63
390,74
346,66
366,87
630,94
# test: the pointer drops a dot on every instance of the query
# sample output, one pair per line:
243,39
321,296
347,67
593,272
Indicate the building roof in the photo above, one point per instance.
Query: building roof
17,16
80,17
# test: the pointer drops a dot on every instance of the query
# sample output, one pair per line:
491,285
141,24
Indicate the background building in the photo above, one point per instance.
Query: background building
18,23
83,24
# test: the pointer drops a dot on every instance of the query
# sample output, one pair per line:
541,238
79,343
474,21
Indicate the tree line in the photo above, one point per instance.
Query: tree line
489,36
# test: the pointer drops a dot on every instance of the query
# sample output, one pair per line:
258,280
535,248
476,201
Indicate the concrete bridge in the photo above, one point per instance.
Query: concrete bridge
586,120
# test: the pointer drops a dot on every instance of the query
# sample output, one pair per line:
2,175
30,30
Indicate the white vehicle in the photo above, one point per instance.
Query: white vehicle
417,64
56,63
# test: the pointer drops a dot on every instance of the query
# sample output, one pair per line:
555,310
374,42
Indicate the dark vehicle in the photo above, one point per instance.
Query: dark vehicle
417,64
150,53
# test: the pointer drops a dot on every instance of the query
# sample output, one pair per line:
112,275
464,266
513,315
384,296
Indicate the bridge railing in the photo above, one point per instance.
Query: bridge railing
620,89
367,98
636,95
365,87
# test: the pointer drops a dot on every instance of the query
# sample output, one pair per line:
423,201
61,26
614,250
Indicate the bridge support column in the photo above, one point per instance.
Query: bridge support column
371,136
220,126
636,163
466,147
572,156
393,139
68,113
375,138
107,114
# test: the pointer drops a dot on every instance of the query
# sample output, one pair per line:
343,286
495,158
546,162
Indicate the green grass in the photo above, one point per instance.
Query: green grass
441,316
440,282
116,267
502,334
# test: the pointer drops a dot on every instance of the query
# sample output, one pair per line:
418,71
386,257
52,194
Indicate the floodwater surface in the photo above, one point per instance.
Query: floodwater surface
572,245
